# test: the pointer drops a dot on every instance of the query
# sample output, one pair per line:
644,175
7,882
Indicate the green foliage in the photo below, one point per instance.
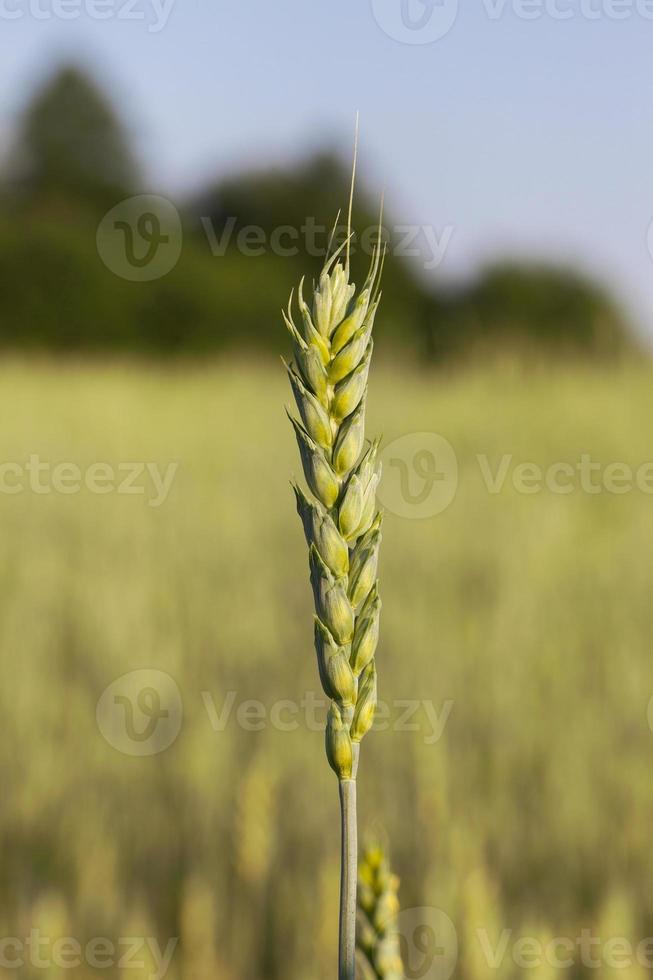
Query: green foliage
533,307
71,147
72,162
303,201
58,295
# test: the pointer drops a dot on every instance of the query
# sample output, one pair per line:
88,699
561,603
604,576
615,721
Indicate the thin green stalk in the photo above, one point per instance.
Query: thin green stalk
348,875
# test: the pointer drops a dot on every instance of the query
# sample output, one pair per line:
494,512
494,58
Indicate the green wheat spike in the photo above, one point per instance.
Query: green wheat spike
332,349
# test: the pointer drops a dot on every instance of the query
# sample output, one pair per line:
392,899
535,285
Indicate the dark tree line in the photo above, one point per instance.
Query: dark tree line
247,240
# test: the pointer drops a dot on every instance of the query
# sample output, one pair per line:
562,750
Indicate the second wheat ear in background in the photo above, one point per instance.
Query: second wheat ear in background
377,938
332,351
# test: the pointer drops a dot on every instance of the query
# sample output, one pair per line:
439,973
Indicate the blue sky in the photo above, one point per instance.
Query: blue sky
521,131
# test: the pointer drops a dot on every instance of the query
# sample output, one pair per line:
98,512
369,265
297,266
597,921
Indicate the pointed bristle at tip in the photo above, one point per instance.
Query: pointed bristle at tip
351,192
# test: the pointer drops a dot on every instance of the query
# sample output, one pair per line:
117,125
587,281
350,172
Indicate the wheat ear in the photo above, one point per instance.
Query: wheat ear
332,351
378,905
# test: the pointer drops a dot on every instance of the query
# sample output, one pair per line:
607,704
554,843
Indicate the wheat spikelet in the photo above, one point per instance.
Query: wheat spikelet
328,377
379,956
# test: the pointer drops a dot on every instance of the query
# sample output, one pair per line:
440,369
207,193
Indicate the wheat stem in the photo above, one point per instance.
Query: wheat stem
348,875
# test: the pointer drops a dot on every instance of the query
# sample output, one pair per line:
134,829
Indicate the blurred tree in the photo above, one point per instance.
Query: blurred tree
284,218
71,148
272,198
530,307
248,240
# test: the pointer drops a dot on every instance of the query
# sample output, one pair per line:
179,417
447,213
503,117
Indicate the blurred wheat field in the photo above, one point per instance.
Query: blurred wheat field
529,615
